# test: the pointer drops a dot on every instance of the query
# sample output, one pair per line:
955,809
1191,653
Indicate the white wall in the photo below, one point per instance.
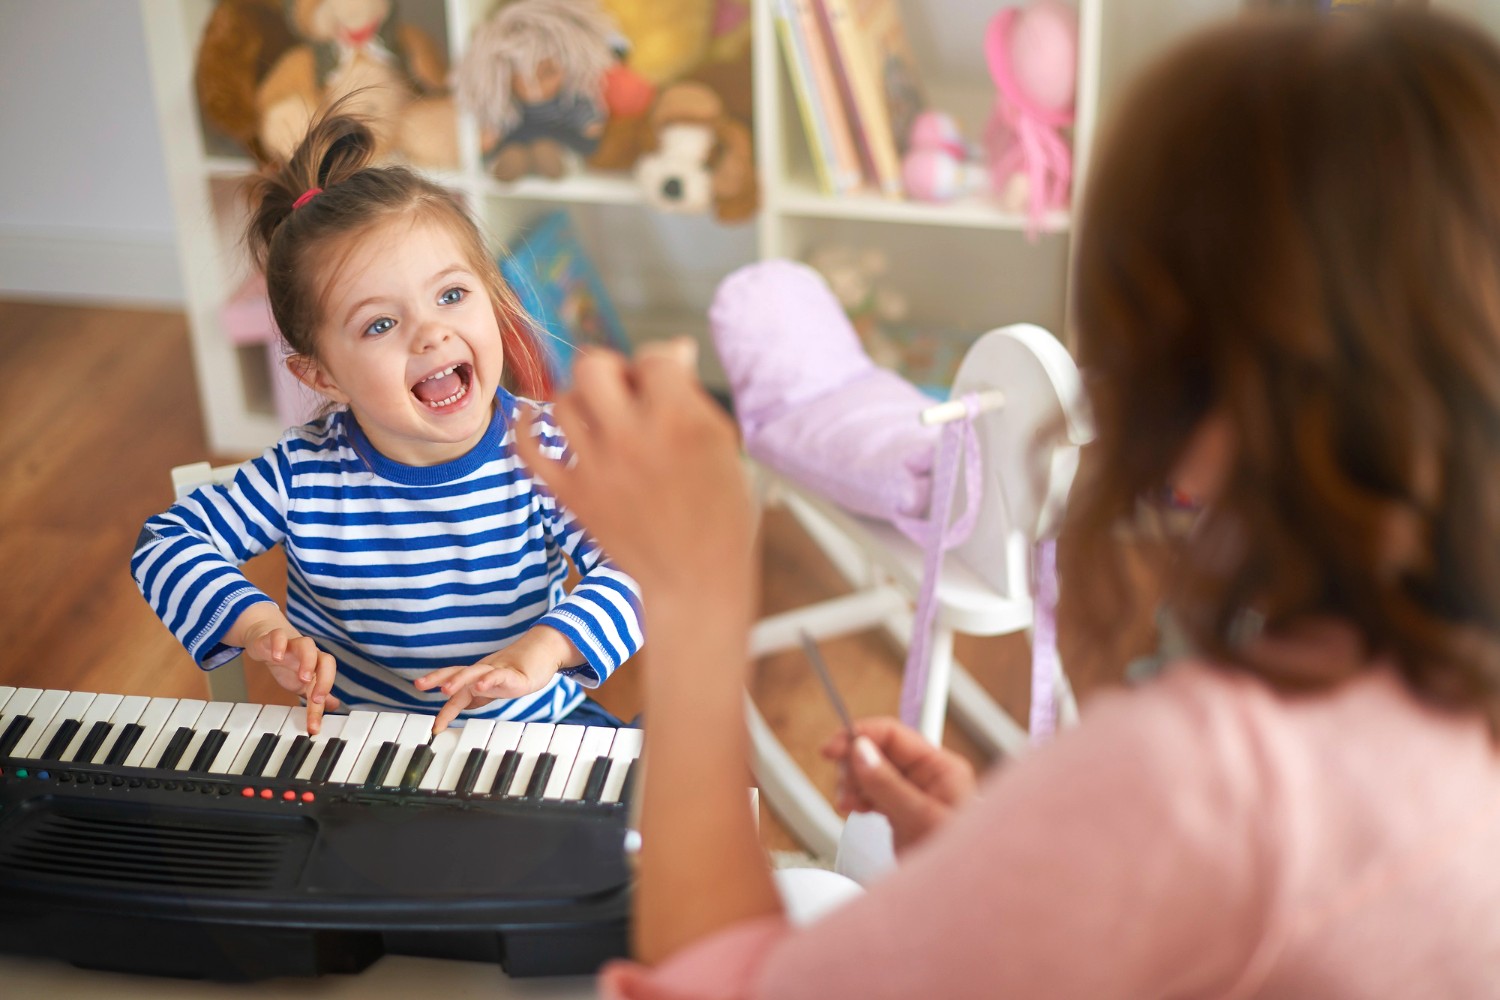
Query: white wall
84,209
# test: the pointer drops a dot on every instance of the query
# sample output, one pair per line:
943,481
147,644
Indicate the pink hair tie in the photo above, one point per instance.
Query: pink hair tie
305,197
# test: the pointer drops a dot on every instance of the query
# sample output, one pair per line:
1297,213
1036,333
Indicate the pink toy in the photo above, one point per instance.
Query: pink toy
939,164
1032,53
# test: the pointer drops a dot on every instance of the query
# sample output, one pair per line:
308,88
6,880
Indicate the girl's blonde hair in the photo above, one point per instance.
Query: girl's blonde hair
1294,226
294,243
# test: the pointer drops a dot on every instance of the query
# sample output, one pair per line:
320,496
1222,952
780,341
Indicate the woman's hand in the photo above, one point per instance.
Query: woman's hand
524,666
891,769
294,660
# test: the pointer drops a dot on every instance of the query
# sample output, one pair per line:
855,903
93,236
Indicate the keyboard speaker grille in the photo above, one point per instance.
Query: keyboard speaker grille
152,849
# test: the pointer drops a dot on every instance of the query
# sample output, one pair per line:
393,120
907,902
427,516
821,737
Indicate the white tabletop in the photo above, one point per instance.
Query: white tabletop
394,976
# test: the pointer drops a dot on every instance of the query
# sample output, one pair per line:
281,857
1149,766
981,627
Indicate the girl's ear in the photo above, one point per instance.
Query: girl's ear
313,375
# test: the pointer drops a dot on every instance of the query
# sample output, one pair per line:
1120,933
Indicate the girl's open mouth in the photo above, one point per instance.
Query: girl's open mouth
443,388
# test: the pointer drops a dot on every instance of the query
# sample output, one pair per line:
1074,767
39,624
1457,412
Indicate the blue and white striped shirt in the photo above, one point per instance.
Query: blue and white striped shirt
396,570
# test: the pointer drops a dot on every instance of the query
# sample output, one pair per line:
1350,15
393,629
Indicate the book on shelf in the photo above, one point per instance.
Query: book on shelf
879,79
560,289
827,128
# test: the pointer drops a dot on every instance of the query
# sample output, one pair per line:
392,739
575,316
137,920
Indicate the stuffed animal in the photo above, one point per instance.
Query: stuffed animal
855,276
699,157
534,77
242,40
393,74
940,164
1032,51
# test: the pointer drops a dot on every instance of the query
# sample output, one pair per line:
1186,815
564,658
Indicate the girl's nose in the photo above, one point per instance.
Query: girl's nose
430,334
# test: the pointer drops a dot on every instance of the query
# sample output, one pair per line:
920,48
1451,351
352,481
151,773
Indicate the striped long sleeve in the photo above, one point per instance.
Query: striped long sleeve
396,570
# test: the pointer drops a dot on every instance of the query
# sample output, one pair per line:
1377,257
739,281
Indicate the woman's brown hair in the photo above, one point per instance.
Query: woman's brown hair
295,244
1293,226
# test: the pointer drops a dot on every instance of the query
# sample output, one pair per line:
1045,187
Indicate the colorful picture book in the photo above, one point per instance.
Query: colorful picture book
560,289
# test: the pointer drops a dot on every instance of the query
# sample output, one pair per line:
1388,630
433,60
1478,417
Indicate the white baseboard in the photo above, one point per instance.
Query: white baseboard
83,266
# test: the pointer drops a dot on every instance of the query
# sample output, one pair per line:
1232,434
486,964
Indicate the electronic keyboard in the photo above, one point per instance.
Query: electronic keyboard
219,840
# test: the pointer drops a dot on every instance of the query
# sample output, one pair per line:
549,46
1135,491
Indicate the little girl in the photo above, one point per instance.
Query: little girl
425,563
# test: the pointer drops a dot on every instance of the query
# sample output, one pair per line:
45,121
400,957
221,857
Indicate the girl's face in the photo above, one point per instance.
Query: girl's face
409,340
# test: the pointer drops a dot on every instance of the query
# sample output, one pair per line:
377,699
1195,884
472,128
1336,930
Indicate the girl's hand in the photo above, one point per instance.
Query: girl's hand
295,661
891,769
524,666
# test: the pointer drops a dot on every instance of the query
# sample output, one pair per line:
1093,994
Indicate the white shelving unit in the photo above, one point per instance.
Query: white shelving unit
967,265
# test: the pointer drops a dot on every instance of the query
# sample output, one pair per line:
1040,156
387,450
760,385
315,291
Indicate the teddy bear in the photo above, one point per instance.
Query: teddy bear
394,72
698,156
242,40
534,77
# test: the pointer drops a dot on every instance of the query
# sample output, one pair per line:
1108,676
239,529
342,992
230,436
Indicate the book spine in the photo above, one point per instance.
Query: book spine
868,101
848,175
814,121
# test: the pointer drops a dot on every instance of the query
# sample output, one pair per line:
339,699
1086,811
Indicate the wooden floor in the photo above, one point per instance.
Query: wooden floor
98,405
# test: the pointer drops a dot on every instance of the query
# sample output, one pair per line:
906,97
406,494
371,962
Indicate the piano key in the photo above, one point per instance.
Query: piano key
174,749
444,745
468,774
386,727
260,756
268,720
237,728
327,759
6,690
292,727
296,755
149,726
184,714
540,772
534,742
332,729
16,718
417,767
473,735
212,743
62,736
505,774
566,741
42,714
210,720
356,733
128,713
384,758
625,748
598,771
627,787
96,715
416,731
52,741
506,736
595,744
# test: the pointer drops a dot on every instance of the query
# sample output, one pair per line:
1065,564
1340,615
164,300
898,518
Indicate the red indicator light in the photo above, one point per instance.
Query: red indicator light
265,793
248,793
289,795
307,796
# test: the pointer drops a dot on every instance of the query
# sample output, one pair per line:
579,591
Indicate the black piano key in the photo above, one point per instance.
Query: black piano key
598,774
13,733
416,768
470,773
175,747
539,775
507,772
93,741
127,741
382,763
295,755
324,767
204,759
628,788
261,755
61,739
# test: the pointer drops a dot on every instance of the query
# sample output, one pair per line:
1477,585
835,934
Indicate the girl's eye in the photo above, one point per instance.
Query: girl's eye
451,296
381,325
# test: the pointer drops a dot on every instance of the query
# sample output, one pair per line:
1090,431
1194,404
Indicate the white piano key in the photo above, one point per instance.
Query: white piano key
42,712
6,690
596,743
127,713
626,748
236,728
213,716
332,726
152,718
356,734
387,727
566,740
186,714
472,736
534,742
444,746
507,736
415,731
269,720
18,704
100,709
72,708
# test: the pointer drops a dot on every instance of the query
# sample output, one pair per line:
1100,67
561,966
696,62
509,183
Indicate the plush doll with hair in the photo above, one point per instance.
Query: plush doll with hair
534,78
